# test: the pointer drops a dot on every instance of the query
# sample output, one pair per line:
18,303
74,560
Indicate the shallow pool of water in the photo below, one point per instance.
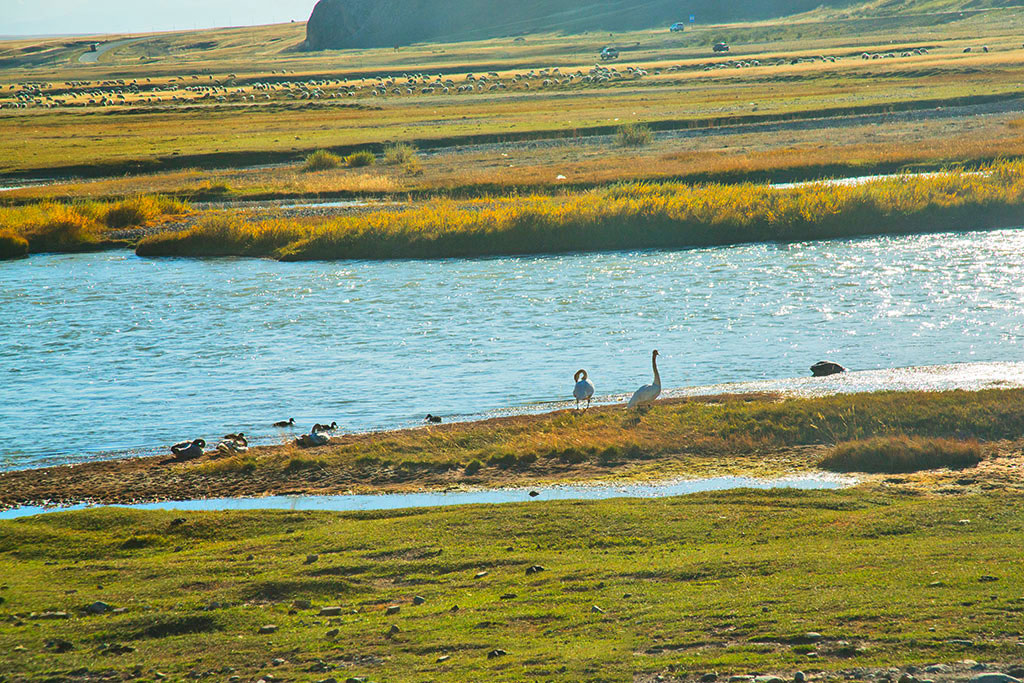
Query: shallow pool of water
395,501
108,354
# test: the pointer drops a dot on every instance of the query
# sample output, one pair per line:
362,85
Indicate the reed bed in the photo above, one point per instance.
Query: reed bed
633,215
83,225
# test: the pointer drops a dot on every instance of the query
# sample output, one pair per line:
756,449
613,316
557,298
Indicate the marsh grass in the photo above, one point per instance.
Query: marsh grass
360,159
902,454
634,135
399,154
60,226
628,216
12,246
321,160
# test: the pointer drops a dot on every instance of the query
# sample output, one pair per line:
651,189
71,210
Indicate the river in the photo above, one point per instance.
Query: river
109,355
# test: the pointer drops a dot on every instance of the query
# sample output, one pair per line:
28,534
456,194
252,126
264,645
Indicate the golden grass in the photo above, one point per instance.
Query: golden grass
901,454
630,215
60,226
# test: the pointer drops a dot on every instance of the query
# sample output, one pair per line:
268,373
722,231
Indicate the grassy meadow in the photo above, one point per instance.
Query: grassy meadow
734,583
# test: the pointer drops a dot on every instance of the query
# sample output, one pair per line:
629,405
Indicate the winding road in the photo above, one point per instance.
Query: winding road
93,57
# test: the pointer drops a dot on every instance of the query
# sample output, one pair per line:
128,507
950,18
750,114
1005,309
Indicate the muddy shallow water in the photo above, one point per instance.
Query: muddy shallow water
394,501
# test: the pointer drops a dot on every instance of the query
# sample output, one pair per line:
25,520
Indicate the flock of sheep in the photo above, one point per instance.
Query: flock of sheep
184,90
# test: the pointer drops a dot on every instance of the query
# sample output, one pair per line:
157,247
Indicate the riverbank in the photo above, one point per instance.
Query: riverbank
758,435
627,216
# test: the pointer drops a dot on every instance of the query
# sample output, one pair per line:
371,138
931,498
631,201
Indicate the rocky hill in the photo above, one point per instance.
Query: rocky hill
385,23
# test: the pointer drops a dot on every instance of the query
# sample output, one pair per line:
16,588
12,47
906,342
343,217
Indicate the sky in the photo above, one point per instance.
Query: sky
50,17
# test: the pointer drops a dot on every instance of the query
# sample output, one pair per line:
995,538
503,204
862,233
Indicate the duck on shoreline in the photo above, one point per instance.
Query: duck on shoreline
435,419
188,450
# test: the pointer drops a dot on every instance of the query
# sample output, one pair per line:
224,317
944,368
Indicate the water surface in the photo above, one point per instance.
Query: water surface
108,354
395,501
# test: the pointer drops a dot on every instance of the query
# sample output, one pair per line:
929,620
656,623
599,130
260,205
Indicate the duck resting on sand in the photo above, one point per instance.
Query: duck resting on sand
316,437
237,444
584,388
645,395
188,450
285,423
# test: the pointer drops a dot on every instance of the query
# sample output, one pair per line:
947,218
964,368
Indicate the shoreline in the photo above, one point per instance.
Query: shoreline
679,438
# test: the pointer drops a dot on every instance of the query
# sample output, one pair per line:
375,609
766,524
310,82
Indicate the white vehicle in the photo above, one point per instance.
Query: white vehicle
677,27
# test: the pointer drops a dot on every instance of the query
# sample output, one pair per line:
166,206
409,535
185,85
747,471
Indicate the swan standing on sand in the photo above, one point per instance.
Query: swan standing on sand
646,394
584,388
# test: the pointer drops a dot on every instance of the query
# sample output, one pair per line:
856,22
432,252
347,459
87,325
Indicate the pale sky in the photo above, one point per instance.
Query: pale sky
46,17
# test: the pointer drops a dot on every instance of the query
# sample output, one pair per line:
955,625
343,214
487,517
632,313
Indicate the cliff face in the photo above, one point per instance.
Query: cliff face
385,23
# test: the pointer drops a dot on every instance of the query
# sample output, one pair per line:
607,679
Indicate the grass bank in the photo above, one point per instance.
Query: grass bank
737,583
624,216
757,435
82,225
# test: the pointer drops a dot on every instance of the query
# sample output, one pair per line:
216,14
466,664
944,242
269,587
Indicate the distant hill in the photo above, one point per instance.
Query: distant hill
386,23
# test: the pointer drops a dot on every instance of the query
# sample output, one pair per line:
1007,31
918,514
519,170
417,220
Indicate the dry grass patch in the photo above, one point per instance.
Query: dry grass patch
902,454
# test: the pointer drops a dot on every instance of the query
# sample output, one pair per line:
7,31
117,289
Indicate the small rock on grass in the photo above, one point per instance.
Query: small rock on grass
330,612
393,630
418,600
596,609
333,632
302,604
393,609
268,628
310,559
709,677
480,574
534,569
443,658
768,679
496,653
799,677
98,607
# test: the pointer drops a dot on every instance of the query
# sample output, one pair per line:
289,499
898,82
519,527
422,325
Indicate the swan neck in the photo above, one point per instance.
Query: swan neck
657,377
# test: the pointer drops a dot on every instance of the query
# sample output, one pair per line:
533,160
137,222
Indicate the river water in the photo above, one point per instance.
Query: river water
106,355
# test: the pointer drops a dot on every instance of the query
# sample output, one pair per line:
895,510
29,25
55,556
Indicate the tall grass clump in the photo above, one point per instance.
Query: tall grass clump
221,235
321,160
12,246
399,154
634,135
141,210
901,454
360,159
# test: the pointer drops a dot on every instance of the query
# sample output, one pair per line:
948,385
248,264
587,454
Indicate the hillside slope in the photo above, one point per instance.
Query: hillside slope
386,23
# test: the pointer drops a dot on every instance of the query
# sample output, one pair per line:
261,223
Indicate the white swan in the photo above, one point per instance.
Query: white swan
647,393
584,388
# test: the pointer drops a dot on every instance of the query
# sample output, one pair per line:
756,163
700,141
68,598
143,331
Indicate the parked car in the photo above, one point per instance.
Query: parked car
720,47
609,53
676,27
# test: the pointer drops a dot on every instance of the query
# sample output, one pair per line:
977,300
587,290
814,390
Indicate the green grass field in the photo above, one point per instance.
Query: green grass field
727,582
